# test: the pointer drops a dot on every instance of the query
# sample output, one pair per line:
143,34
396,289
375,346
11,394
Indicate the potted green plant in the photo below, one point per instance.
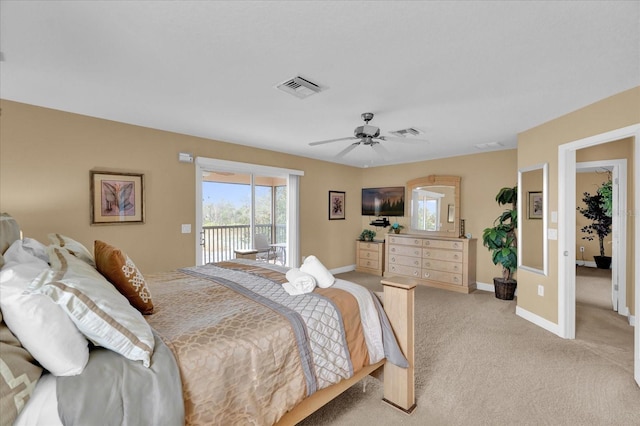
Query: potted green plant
396,227
501,240
598,210
367,235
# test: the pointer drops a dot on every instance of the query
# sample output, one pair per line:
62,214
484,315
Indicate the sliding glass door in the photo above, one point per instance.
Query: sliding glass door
246,207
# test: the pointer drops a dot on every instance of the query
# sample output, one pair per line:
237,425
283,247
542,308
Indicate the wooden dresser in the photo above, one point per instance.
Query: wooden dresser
444,262
370,257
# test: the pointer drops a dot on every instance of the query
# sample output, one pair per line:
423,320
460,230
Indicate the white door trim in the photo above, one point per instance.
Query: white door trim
567,231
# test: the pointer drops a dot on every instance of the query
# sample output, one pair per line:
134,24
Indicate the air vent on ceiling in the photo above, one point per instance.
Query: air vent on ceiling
299,87
410,131
489,145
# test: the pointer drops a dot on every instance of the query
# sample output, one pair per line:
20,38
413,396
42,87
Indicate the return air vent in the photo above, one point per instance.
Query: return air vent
489,145
299,87
410,131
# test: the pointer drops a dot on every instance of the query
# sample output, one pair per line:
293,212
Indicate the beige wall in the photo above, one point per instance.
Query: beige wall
539,145
46,156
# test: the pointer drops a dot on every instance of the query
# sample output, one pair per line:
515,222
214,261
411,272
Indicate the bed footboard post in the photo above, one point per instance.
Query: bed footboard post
399,383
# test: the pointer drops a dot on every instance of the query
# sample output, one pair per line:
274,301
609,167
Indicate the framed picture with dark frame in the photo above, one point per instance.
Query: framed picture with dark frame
116,198
336,205
535,205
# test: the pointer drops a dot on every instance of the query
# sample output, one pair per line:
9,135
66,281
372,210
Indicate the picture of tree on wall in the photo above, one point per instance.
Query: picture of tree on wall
336,205
387,201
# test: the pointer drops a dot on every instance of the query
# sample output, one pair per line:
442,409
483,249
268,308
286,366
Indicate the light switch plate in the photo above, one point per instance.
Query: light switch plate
186,228
552,234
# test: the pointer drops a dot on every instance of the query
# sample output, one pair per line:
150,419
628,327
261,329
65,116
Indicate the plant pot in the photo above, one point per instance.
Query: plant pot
396,231
505,289
602,262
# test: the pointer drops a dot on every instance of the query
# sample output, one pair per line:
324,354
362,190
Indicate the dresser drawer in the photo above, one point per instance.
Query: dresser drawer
405,241
449,245
405,260
445,277
370,246
369,263
367,254
404,270
442,265
405,251
450,255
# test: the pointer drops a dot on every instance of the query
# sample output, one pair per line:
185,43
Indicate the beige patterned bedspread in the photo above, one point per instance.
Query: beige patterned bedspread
238,359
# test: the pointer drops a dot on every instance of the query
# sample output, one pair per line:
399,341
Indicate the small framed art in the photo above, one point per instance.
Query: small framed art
535,205
336,205
116,198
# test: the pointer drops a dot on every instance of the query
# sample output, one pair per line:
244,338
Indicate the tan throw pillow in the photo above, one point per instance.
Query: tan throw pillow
120,270
19,375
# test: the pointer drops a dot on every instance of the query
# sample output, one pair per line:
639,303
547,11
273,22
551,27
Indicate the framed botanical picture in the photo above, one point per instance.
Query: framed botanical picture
336,205
116,198
535,205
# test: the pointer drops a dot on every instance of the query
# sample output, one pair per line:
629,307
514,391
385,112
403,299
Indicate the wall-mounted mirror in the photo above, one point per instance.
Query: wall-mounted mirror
435,205
533,193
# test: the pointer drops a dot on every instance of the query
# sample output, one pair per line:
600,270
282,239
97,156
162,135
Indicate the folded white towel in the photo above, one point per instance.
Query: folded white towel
322,275
299,282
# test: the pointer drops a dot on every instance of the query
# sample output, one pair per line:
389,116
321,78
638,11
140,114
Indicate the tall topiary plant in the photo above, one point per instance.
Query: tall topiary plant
598,210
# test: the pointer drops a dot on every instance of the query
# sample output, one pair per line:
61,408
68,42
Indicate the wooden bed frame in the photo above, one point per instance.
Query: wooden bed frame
399,384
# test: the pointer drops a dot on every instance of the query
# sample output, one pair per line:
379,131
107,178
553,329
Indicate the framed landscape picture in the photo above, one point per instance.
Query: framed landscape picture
116,198
336,205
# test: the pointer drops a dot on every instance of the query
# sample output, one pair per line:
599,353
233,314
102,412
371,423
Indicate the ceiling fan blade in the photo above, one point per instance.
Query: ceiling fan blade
381,150
333,140
403,140
347,150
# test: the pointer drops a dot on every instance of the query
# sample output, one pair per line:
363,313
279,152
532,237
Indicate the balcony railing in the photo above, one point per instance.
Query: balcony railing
219,242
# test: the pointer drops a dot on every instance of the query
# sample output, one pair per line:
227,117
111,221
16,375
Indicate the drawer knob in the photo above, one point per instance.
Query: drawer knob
426,275
417,253
393,259
393,249
455,256
427,264
368,254
415,273
416,263
455,279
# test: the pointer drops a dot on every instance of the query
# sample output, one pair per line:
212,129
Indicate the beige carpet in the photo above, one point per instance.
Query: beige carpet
477,363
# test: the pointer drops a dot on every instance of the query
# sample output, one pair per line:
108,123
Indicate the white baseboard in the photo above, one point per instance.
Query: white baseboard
343,269
538,320
486,287
632,320
586,263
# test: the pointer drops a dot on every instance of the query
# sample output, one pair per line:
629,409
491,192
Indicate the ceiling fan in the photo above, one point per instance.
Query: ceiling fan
366,135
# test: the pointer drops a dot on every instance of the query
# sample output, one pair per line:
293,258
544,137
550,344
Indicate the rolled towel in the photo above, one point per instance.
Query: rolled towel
299,282
313,266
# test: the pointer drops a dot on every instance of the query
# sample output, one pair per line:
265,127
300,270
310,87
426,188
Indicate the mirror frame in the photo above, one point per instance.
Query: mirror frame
545,224
440,180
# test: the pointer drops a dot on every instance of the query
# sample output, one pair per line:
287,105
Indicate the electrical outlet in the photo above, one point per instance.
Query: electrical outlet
581,249
540,290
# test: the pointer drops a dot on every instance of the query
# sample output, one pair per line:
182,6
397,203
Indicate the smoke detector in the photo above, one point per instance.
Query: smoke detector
299,87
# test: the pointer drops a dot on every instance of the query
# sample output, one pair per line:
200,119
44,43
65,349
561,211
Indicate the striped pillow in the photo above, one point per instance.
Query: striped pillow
96,307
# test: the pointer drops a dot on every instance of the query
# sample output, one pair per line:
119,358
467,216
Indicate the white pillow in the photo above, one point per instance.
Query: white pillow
97,308
74,247
314,267
42,327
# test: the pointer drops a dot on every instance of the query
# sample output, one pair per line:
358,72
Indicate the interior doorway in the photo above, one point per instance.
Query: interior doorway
589,176
567,232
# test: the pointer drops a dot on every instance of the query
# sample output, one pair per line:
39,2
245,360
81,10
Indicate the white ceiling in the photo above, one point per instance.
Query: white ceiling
465,73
